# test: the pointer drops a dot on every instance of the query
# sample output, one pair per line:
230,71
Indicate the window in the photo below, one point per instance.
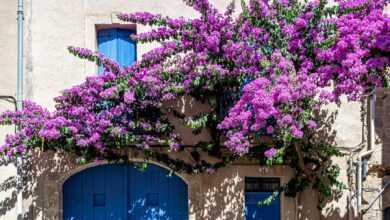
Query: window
229,96
256,190
117,44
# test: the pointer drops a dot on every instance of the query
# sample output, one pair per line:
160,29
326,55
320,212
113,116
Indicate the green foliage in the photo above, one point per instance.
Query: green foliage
269,199
200,121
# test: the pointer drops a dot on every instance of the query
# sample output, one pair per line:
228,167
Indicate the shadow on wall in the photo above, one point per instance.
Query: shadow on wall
7,180
338,206
43,185
223,195
220,199
220,196
39,178
8,203
45,173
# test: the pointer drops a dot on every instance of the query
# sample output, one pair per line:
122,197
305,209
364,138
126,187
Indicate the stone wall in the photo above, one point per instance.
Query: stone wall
382,128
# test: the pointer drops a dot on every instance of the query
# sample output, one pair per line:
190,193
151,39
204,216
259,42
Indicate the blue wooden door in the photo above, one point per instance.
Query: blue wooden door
255,212
122,192
116,43
257,189
160,196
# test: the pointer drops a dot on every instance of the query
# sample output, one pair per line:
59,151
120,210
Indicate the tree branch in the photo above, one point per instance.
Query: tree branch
301,162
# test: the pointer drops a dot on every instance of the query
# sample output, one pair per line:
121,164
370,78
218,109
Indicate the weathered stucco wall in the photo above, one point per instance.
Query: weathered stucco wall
7,87
382,144
55,25
211,196
51,26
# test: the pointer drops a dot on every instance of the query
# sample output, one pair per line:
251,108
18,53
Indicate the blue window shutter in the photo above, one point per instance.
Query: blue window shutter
126,47
117,44
107,44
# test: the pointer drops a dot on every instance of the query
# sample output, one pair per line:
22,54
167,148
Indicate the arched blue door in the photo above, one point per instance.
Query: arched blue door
121,192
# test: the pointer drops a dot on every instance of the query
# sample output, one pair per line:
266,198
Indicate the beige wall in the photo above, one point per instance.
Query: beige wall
211,196
7,87
53,25
7,175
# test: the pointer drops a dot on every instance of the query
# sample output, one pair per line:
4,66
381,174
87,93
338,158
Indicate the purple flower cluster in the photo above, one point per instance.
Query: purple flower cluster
30,121
298,57
270,153
159,34
109,64
144,18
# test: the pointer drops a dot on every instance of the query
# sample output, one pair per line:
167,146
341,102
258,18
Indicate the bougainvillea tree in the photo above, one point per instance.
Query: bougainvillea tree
265,72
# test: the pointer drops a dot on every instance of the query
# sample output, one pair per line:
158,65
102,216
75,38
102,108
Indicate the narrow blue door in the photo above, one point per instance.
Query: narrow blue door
122,192
254,211
256,190
116,43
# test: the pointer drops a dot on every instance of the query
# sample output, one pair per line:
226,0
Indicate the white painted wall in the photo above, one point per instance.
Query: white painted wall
7,87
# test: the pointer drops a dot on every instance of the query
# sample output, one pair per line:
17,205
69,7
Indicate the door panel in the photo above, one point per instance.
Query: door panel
115,189
258,189
160,196
72,204
255,212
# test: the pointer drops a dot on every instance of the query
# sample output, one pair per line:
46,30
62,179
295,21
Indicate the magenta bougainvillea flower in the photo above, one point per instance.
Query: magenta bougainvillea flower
270,153
287,58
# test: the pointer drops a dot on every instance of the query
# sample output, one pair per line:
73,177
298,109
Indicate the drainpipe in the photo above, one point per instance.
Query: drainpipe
371,133
19,106
359,185
371,143
359,179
